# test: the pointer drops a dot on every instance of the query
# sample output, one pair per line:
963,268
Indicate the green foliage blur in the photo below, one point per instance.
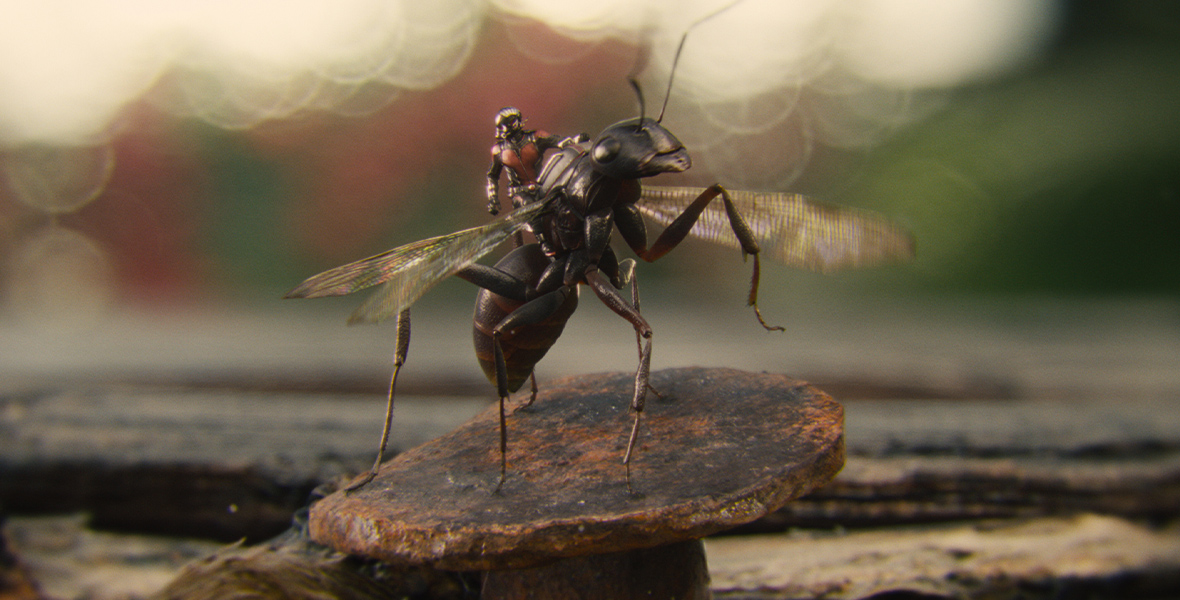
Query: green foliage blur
1062,178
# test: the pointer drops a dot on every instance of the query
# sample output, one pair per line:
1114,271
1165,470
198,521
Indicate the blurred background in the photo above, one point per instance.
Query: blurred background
169,170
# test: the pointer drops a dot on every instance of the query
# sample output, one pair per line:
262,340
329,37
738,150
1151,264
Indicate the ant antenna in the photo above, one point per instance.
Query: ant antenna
679,48
644,54
638,94
640,64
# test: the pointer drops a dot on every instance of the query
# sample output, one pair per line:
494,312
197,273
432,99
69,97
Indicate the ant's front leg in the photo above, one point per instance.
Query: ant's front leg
622,275
679,228
628,278
611,298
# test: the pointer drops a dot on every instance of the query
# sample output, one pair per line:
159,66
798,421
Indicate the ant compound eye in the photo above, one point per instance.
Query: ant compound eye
606,150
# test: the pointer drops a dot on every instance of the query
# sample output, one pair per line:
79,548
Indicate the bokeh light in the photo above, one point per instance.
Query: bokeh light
57,179
942,43
762,88
67,68
59,280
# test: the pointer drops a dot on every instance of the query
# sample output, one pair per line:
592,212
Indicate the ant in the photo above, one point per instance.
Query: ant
584,192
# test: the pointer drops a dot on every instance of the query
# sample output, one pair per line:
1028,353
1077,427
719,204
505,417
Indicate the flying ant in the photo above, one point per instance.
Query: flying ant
585,191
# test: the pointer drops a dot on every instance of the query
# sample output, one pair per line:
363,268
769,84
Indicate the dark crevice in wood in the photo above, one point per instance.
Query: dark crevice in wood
939,499
199,501
1114,451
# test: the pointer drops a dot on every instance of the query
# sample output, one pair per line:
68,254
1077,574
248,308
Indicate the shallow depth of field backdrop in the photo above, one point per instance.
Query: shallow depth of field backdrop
182,165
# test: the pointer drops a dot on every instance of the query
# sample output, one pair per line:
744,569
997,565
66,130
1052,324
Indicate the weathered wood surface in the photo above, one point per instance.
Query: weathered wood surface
68,560
1085,556
217,426
15,581
220,464
228,463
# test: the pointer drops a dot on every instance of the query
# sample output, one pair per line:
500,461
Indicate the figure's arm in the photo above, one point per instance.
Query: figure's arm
546,140
573,140
494,181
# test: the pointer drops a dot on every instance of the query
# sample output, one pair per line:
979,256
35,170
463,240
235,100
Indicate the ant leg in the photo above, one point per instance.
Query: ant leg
621,274
611,298
502,284
399,359
679,228
532,389
752,300
518,237
531,312
502,392
627,277
495,281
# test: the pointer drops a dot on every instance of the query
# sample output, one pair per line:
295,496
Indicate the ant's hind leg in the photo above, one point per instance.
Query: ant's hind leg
502,392
529,313
532,390
399,359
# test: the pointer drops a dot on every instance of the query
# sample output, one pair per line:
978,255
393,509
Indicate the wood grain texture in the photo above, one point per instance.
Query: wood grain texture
956,413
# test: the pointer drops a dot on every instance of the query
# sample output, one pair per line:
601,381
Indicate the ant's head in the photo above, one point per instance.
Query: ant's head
642,147
638,148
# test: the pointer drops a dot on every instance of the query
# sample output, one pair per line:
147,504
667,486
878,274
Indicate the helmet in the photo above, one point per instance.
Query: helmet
508,118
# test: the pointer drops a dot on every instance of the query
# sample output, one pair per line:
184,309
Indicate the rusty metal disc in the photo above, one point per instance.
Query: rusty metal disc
717,448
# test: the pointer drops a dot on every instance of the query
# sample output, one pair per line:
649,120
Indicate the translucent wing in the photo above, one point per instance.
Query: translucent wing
408,271
790,228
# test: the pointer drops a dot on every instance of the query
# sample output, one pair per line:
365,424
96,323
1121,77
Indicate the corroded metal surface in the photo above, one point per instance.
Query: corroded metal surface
720,448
